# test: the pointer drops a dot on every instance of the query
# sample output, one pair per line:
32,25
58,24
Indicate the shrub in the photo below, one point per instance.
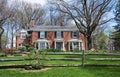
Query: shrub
33,67
37,66
22,49
53,50
1,50
74,50
10,51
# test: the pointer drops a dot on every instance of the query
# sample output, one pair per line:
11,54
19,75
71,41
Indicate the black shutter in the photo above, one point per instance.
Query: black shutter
71,34
38,34
45,34
55,34
62,34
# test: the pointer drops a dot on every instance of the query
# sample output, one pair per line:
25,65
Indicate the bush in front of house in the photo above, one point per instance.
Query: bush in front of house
33,67
52,50
22,49
74,50
96,51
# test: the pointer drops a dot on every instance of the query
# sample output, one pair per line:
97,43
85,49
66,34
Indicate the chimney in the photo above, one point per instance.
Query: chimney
32,23
62,23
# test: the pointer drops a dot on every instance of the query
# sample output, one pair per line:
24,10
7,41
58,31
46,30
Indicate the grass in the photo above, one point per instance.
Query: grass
64,72
61,61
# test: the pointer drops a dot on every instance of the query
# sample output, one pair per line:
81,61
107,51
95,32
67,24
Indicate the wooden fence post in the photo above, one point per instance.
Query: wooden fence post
83,58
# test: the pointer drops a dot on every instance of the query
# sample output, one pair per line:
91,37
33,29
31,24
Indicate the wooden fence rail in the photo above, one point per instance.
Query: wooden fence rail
68,59
59,65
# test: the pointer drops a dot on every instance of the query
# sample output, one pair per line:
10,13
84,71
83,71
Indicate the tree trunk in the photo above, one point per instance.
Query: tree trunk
89,42
2,30
12,39
0,42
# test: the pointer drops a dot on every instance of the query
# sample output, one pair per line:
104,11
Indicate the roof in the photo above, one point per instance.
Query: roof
59,40
75,40
54,28
42,40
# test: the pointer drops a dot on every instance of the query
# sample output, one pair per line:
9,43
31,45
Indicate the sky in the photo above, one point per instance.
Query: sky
42,2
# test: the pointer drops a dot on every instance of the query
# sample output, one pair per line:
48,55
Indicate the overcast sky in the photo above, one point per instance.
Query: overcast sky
42,2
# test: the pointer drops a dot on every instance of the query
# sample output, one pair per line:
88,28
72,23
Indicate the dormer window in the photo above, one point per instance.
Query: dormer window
23,35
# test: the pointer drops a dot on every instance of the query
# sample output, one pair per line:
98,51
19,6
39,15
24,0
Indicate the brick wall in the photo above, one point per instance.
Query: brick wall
51,36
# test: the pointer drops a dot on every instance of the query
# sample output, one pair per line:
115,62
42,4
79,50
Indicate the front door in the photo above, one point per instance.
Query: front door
59,45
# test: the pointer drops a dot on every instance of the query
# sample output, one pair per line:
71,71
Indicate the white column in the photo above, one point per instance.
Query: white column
72,46
45,45
79,46
68,45
55,45
63,46
48,44
35,44
38,45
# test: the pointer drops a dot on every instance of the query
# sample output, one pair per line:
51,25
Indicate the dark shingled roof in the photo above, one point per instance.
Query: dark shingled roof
53,28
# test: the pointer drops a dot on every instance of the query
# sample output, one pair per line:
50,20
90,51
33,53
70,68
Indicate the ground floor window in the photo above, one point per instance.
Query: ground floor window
75,45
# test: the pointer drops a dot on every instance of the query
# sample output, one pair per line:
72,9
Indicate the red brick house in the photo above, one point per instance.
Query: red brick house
63,37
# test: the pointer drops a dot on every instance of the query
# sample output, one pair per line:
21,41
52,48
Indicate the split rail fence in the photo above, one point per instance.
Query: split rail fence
82,60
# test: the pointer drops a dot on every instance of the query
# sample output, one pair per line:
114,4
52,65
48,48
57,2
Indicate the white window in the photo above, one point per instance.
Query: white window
42,34
75,45
23,35
59,34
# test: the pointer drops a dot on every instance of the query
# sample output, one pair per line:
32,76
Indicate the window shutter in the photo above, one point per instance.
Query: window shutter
55,34
62,34
45,34
71,34
38,34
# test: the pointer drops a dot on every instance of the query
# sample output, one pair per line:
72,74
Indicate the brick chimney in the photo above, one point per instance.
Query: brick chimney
62,23
32,23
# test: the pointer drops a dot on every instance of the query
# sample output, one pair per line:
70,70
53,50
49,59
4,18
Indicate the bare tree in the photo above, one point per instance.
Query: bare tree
56,17
26,12
5,13
87,14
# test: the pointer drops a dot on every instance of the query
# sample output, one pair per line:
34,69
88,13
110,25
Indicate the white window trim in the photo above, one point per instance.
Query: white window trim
63,46
79,45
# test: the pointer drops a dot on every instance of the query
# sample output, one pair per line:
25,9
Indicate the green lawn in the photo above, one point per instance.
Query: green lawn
61,61
64,72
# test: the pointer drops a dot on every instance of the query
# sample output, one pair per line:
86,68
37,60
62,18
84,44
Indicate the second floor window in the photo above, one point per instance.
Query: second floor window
75,34
42,34
59,34
23,35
